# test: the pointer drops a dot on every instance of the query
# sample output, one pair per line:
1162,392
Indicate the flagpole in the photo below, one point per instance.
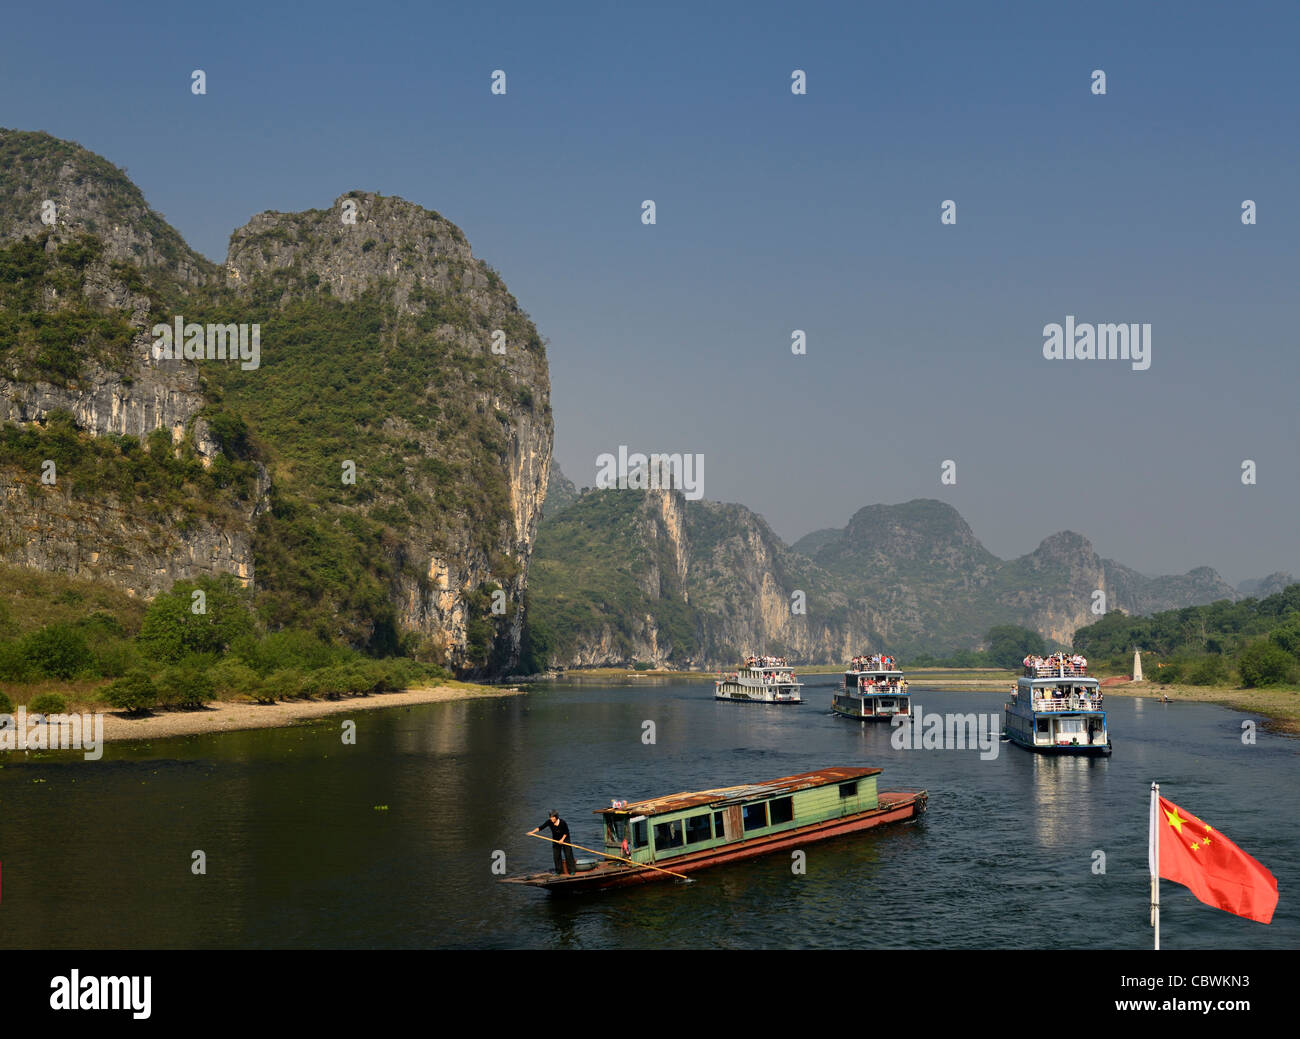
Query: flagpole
1154,860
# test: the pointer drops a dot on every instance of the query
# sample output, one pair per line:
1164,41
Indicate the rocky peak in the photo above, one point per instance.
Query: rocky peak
1262,587
363,241
90,196
918,532
1067,549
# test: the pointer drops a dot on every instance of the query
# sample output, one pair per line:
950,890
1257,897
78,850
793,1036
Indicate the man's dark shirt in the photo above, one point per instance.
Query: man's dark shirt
559,830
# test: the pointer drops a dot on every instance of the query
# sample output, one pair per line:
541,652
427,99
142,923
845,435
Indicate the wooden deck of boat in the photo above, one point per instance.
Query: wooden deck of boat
732,794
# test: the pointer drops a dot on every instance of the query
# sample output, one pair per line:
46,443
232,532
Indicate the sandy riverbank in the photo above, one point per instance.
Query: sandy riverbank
233,716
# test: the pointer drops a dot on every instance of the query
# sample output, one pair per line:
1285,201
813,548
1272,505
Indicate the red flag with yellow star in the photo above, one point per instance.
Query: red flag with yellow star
1219,873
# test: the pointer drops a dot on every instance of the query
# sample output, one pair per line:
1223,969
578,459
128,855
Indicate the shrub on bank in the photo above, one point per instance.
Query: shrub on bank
1210,670
48,703
231,678
134,692
1264,663
369,676
185,687
399,674
313,684
280,685
6,705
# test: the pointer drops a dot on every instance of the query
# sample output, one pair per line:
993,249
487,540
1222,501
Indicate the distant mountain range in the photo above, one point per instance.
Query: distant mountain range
1262,587
624,575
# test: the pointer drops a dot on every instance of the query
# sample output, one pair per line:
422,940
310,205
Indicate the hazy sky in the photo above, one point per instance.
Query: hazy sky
777,212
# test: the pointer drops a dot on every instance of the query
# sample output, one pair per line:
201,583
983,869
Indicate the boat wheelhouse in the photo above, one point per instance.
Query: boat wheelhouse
760,680
1057,709
681,833
873,689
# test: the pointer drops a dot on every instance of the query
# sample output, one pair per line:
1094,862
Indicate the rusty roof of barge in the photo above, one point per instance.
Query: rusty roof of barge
738,794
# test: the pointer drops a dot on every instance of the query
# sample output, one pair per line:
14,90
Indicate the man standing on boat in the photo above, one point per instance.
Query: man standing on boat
560,832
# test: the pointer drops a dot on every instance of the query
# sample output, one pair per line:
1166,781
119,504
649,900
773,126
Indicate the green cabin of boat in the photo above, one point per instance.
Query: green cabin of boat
659,830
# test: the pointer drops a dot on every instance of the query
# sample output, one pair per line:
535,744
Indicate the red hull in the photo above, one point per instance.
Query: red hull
895,806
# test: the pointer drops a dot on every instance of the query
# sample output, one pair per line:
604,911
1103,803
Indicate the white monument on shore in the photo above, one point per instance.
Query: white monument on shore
1137,666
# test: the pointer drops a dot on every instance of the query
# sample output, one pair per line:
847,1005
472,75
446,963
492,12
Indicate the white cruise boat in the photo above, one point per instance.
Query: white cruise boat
760,680
874,689
1057,709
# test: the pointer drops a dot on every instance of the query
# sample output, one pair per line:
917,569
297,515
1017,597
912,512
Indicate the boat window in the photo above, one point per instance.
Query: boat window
782,810
849,789
755,816
668,835
639,837
698,829
719,824
615,829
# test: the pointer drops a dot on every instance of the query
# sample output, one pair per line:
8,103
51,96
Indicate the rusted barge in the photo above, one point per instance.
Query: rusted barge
682,833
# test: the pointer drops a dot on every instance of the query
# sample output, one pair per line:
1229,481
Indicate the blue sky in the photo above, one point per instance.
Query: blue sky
778,212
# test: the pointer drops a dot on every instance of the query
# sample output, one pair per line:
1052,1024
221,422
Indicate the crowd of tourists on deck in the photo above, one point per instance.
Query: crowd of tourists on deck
894,686
1056,664
769,678
879,662
1061,698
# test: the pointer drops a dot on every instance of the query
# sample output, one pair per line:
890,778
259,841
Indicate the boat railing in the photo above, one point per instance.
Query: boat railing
765,680
1067,703
1055,671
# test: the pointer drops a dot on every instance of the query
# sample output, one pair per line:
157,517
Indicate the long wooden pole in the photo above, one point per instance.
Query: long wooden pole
644,865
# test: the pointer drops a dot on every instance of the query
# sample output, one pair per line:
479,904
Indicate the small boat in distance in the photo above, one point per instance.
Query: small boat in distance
681,833
1056,708
759,680
874,689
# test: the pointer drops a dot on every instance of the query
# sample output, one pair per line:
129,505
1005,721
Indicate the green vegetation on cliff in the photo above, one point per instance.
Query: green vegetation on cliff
48,328
156,479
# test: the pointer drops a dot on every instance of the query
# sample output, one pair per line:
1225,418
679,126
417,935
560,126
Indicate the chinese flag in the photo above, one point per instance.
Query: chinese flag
1199,857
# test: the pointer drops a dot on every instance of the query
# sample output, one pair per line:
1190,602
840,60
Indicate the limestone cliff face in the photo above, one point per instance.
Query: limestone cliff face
1055,592
688,583
759,597
57,192
458,458
127,262
903,579
55,185
433,294
104,538
1058,584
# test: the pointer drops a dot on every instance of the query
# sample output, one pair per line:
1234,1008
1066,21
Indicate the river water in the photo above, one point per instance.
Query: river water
392,842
